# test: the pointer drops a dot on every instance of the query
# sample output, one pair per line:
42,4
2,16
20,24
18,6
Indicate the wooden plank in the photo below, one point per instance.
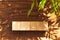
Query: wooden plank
29,26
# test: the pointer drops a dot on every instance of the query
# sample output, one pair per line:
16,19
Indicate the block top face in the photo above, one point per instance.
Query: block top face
29,26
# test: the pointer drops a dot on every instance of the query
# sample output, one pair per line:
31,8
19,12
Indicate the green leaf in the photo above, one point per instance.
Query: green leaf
32,6
36,3
42,4
55,5
59,3
52,1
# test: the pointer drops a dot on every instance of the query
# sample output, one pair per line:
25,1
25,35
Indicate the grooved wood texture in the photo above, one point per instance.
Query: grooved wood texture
16,10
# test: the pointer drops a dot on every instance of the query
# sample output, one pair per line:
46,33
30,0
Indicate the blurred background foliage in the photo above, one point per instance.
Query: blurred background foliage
54,5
